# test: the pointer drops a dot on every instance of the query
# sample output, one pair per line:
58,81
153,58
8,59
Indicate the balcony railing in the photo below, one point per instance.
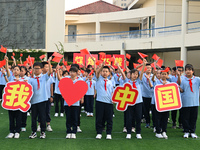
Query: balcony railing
146,33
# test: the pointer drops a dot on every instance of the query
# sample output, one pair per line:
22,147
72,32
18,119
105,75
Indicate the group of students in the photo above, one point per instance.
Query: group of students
101,81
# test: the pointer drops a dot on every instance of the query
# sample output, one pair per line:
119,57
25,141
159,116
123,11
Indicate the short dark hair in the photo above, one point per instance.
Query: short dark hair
23,67
174,68
88,71
189,67
148,64
75,65
180,67
17,66
44,63
65,72
74,69
89,66
106,67
38,64
134,70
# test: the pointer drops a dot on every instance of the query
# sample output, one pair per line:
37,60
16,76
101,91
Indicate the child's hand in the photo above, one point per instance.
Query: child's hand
3,71
51,99
82,100
25,80
50,58
57,67
94,96
154,72
93,59
6,58
178,73
145,61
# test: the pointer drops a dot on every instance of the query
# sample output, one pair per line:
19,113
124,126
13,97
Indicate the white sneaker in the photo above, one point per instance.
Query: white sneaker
73,136
186,135
33,135
133,130
128,136
16,135
38,128
164,134
42,135
124,130
99,136
79,129
68,136
88,114
52,104
108,137
158,135
91,114
61,115
10,135
193,135
28,114
154,129
49,128
23,129
138,136
113,116
56,115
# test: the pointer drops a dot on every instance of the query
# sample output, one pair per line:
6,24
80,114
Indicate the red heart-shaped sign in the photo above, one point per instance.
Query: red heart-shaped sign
72,92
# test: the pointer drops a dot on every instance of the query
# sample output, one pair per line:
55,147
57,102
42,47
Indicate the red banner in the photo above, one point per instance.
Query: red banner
167,97
107,59
120,60
17,96
78,59
89,60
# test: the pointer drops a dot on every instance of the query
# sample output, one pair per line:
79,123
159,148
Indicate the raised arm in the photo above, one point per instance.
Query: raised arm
100,69
154,74
142,71
4,74
179,77
50,68
121,71
7,70
95,69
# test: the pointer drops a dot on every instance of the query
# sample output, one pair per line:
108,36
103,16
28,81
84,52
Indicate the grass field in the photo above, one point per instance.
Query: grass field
86,140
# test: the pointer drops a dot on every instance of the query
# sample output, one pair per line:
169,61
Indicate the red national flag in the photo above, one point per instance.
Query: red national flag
42,56
135,65
159,63
124,70
91,72
140,61
25,62
103,55
64,62
112,59
155,57
56,59
142,55
2,63
179,63
84,52
166,70
127,63
3,49
57,55
12,57
30,60
128,56
82,71
13,54
21,54
68,67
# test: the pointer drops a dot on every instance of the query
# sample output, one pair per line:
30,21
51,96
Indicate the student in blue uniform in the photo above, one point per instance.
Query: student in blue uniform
90,95
190,101
38,101
15,116
146,94
104,106
72,112
2,82
136,82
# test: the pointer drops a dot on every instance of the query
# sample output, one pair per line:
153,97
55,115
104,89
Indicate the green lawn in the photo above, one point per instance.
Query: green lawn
86,140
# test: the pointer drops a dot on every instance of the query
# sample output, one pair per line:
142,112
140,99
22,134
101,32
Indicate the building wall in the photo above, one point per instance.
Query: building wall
173,11
149,3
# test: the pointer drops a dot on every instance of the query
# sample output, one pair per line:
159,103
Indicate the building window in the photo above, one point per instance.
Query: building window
122,4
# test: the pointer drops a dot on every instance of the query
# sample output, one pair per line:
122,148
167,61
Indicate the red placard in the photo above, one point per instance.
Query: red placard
124,96
107,59
120,60
89,60
17,96
167,97
78,58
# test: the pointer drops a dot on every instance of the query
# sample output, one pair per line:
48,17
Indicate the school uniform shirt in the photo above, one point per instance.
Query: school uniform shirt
174,79
113,81
2,79
56,90
25,77
78,102
138,84
91,87
13,78
146,90
84,78
157,82
48,86
39,95
121,81
116,76
104,91
189,98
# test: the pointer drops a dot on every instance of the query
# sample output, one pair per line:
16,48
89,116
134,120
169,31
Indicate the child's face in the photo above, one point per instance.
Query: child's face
37,70
16,71
79,72
105,72
28,74
173,73
128,75
90,68
180,70
148,69
73,74
46,68
63,68
189,72
163,75
90,77
158,74
85,73
22,72
66,74
60,72
134,75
